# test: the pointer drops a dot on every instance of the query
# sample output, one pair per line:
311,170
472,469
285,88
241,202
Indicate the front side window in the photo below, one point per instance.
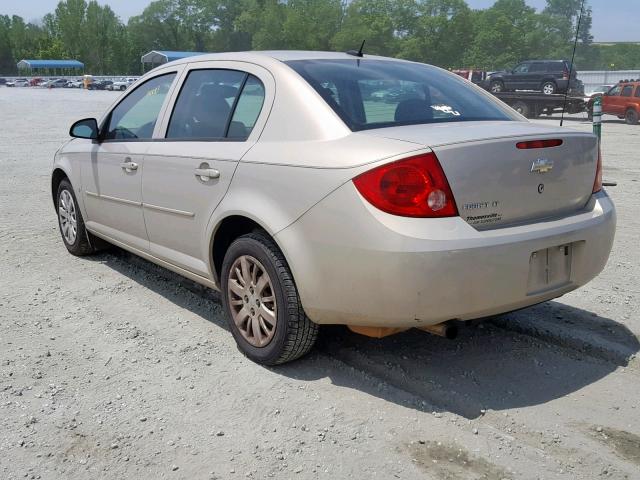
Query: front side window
615,91
216,104
369,94
522,68
627,91
135,117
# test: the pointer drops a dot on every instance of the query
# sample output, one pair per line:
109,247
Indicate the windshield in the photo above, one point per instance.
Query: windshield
379,93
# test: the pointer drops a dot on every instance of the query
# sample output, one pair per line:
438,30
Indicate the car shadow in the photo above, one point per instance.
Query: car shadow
496,364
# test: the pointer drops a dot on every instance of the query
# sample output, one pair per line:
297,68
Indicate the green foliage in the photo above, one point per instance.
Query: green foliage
442,32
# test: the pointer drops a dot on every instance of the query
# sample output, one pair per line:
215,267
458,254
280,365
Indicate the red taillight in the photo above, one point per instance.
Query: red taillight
565,74
597,184
556,142
413,187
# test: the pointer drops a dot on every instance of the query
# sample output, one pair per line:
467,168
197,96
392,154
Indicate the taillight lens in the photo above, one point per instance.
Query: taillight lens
413,187
597,184
556,142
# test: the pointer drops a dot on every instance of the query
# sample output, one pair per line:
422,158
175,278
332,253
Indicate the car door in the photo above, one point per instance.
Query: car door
112,173
518,77
216,117
611,101
533,80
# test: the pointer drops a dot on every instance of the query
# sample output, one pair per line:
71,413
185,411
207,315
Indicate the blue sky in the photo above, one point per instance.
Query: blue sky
613,20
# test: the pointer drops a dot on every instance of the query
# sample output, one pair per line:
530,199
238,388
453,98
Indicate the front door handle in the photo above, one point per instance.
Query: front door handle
207,173
128,165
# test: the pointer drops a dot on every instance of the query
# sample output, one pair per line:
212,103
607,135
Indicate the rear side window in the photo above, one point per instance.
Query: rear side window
247,109
369,94
537,67
216,104
135,117
627,91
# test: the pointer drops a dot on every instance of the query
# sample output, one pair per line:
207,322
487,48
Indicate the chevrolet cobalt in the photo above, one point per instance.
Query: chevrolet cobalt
319,188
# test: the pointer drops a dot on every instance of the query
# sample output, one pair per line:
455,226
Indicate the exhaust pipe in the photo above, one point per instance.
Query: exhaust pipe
445,329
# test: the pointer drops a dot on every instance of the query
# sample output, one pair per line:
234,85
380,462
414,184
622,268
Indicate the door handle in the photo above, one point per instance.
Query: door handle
207,173
129,165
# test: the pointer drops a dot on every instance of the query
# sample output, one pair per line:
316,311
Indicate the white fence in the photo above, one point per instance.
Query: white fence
594,78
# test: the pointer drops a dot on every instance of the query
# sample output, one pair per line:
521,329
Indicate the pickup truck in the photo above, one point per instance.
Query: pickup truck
623,101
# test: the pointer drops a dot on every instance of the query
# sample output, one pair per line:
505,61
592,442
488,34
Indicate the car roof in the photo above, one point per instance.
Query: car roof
281,55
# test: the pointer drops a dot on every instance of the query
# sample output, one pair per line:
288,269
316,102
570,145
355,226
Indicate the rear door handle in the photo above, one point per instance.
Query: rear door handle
207,173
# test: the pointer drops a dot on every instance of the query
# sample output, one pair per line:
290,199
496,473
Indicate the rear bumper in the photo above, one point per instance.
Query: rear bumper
356,265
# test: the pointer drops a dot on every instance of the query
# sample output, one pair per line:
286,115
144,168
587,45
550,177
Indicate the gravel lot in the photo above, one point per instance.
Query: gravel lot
113,368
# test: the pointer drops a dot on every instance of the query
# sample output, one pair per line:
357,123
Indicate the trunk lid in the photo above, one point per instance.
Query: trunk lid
496,184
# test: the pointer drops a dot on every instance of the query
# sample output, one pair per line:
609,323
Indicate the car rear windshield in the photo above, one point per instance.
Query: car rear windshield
370,94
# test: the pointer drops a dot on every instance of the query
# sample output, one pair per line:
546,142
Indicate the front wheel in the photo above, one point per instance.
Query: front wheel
497,86
261,302
522,108
631,117
74,235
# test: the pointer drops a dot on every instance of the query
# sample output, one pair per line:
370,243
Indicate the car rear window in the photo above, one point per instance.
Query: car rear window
368,94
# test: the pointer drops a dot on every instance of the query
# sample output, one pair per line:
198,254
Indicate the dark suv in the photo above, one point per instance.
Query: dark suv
546,76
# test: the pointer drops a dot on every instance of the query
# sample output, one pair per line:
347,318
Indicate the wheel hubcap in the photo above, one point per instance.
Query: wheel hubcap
252,301
67,217
548,89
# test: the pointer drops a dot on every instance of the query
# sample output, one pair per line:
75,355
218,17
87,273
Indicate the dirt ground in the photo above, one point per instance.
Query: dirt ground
113,368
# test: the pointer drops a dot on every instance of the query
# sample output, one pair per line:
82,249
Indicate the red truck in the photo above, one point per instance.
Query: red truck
623,101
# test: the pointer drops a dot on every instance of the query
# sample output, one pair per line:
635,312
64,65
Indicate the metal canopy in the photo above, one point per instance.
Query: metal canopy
157,57
35,64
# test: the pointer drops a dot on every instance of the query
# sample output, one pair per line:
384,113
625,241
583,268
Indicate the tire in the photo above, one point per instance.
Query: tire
631,117
293,334
123,88
549,88
522,108
497,86
79,244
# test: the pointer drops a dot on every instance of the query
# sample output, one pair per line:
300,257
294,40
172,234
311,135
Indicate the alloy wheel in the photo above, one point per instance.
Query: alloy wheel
252,301
67,217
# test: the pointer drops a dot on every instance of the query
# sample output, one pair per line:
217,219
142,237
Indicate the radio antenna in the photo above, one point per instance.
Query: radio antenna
573,56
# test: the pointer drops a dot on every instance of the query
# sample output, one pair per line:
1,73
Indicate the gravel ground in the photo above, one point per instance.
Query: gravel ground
113,368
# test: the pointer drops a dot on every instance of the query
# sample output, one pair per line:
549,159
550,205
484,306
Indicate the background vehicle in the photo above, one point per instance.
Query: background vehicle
99,85
479,77
121,84
546,76
3,81
77,83
622,100
18,82
598,90
56,83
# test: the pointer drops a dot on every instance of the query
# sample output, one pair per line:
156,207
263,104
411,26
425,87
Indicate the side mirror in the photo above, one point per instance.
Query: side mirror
85,128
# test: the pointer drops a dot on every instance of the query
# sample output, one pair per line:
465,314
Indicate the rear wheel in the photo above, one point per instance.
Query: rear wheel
74,234
497,86
549,88
262,304
631,117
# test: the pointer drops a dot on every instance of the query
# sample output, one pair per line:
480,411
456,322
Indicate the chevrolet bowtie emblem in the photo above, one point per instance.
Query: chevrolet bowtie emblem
541,165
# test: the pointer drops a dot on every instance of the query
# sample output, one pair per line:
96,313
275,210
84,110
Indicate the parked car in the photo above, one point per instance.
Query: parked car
546,76
56,83
622,100
99,85
599,90
3,81
122,84
318,206
478,77
77,83
18,82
